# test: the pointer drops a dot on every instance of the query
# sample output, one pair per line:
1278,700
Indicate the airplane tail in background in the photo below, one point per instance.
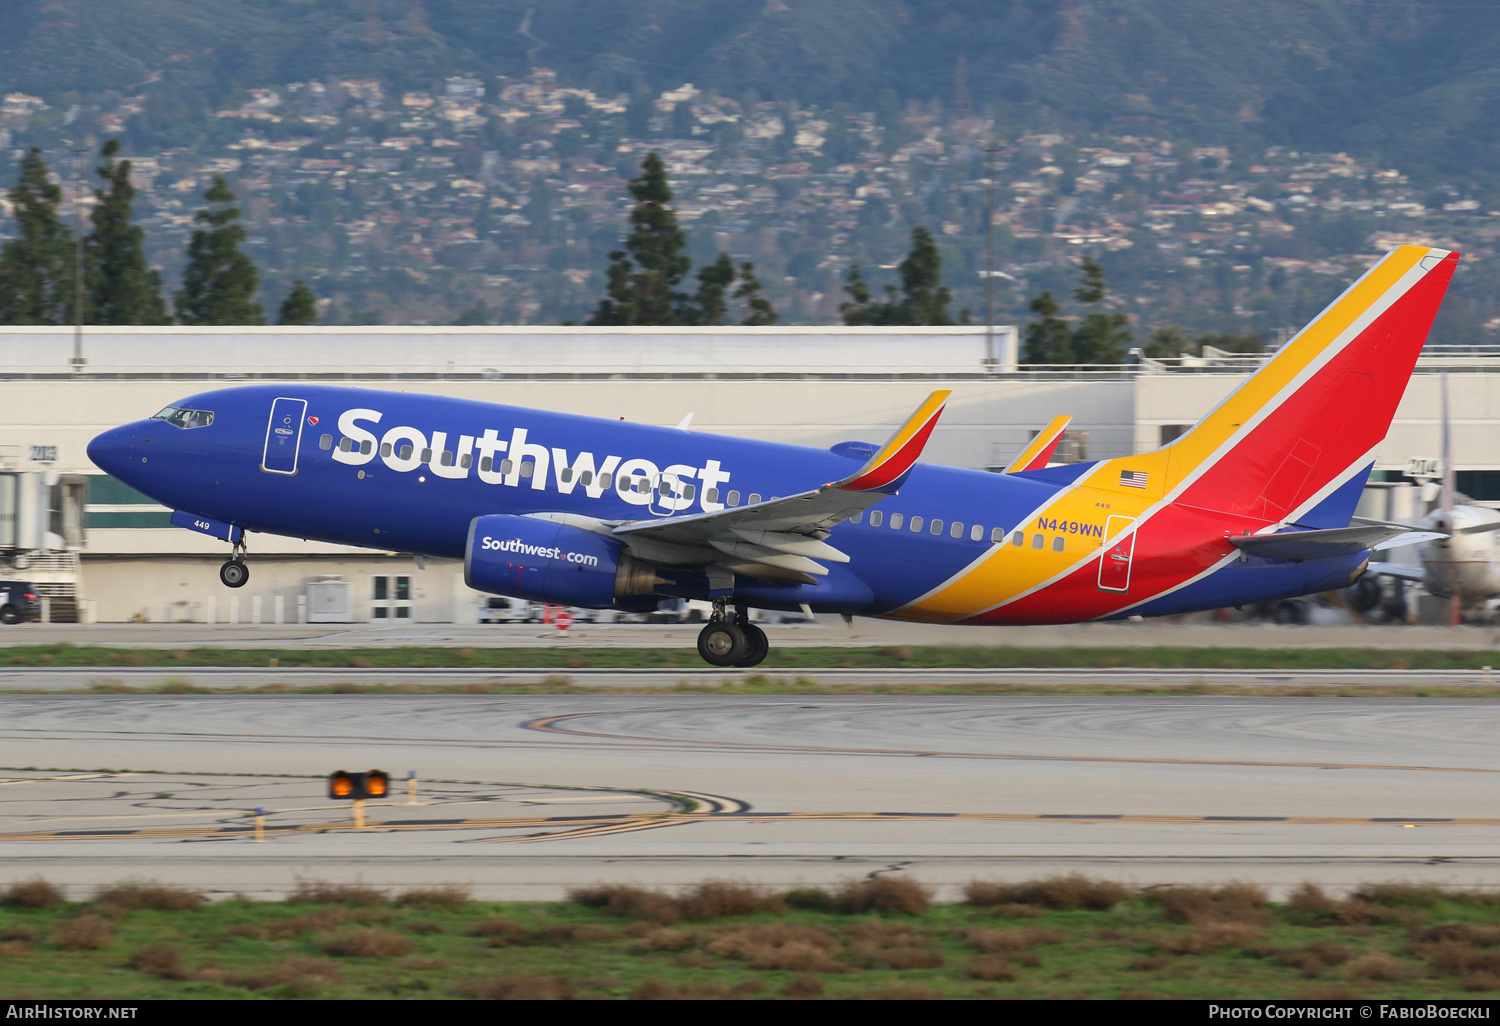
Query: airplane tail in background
1295,441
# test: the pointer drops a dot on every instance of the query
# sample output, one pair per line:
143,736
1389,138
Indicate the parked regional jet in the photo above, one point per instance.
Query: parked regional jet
1253,504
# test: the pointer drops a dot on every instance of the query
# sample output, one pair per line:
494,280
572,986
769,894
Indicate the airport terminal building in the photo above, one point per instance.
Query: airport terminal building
100,550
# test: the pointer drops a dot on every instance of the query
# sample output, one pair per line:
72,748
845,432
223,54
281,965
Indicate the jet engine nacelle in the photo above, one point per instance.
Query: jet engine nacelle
545,561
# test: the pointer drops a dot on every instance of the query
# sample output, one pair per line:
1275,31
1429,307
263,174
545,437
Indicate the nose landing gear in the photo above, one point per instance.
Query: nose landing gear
732,642
234,573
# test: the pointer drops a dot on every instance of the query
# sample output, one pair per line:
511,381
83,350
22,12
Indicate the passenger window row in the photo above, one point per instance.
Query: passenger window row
955,529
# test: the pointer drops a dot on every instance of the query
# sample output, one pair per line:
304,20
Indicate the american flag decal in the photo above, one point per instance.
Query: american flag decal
1132,478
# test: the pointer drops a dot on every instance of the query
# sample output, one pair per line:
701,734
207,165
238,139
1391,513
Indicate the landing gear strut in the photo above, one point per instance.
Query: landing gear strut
234,573
732,642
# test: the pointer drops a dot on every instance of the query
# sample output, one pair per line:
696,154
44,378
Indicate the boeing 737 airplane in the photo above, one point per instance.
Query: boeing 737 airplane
1253,504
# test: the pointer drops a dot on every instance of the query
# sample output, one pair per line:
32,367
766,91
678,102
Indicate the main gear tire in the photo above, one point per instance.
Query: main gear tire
757,646
722,643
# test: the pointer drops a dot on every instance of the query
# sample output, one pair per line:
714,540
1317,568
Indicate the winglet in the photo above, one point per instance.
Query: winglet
1036,455
898,455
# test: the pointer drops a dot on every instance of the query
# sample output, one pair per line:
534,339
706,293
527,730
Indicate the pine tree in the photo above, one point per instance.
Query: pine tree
923,300
1101,336
123,289
219,282
1048,339
1104,335
644,276
301,306
711,303
36,268
758,309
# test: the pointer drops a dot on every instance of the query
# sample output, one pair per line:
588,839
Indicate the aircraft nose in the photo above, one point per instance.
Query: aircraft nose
113,451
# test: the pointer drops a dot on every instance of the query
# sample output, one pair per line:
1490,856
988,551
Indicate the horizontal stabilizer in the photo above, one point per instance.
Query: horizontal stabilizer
1404,571
1036,455
1299,546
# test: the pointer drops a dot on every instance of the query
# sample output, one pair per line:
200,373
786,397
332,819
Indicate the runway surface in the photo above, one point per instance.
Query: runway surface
526,795
88,678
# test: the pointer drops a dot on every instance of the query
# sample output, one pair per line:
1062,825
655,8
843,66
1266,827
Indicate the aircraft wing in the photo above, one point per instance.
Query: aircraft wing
784,537
1299,546
1036,455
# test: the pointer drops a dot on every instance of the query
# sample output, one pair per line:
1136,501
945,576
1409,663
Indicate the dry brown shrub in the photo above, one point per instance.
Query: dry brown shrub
1310,959
530,987
803,987
659,990
161,960
1327,992
1235,902
1481,980
498,929
321,921
1310,904
1458,958
299,975
1008,942
1212,936
449,896
13,948
139,894
1481,935
883,894
1015,910
1073,891
1150,963
33,893
1422,895
88,932
1378,965
903,992
662,939
321,892
696,960
369,943
720,899
994,968
628,900
805,949
897,945
814,899
571,933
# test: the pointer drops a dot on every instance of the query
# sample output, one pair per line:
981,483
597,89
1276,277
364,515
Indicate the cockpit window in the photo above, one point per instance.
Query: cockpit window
185,419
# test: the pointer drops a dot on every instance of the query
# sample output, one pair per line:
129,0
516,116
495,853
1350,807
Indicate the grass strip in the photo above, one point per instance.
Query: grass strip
1060,937
892,656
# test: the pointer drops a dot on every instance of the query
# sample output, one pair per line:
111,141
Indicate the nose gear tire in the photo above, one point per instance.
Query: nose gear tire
234,573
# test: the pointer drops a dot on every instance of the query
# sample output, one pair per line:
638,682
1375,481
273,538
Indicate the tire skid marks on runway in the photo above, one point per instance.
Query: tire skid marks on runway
550,724
568,827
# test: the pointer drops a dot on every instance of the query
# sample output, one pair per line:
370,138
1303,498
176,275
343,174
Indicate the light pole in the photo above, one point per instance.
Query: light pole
78,151
989,258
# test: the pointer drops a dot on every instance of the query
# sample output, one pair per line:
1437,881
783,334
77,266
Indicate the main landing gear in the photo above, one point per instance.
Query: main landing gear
234,573
732,642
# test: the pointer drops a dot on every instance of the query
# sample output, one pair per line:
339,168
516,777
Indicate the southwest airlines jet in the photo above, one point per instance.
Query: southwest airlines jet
1253,504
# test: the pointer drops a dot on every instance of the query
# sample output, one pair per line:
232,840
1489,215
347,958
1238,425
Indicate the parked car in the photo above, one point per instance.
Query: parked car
19,600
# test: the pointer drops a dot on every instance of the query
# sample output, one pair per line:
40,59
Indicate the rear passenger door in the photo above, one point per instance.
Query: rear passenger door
283,436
